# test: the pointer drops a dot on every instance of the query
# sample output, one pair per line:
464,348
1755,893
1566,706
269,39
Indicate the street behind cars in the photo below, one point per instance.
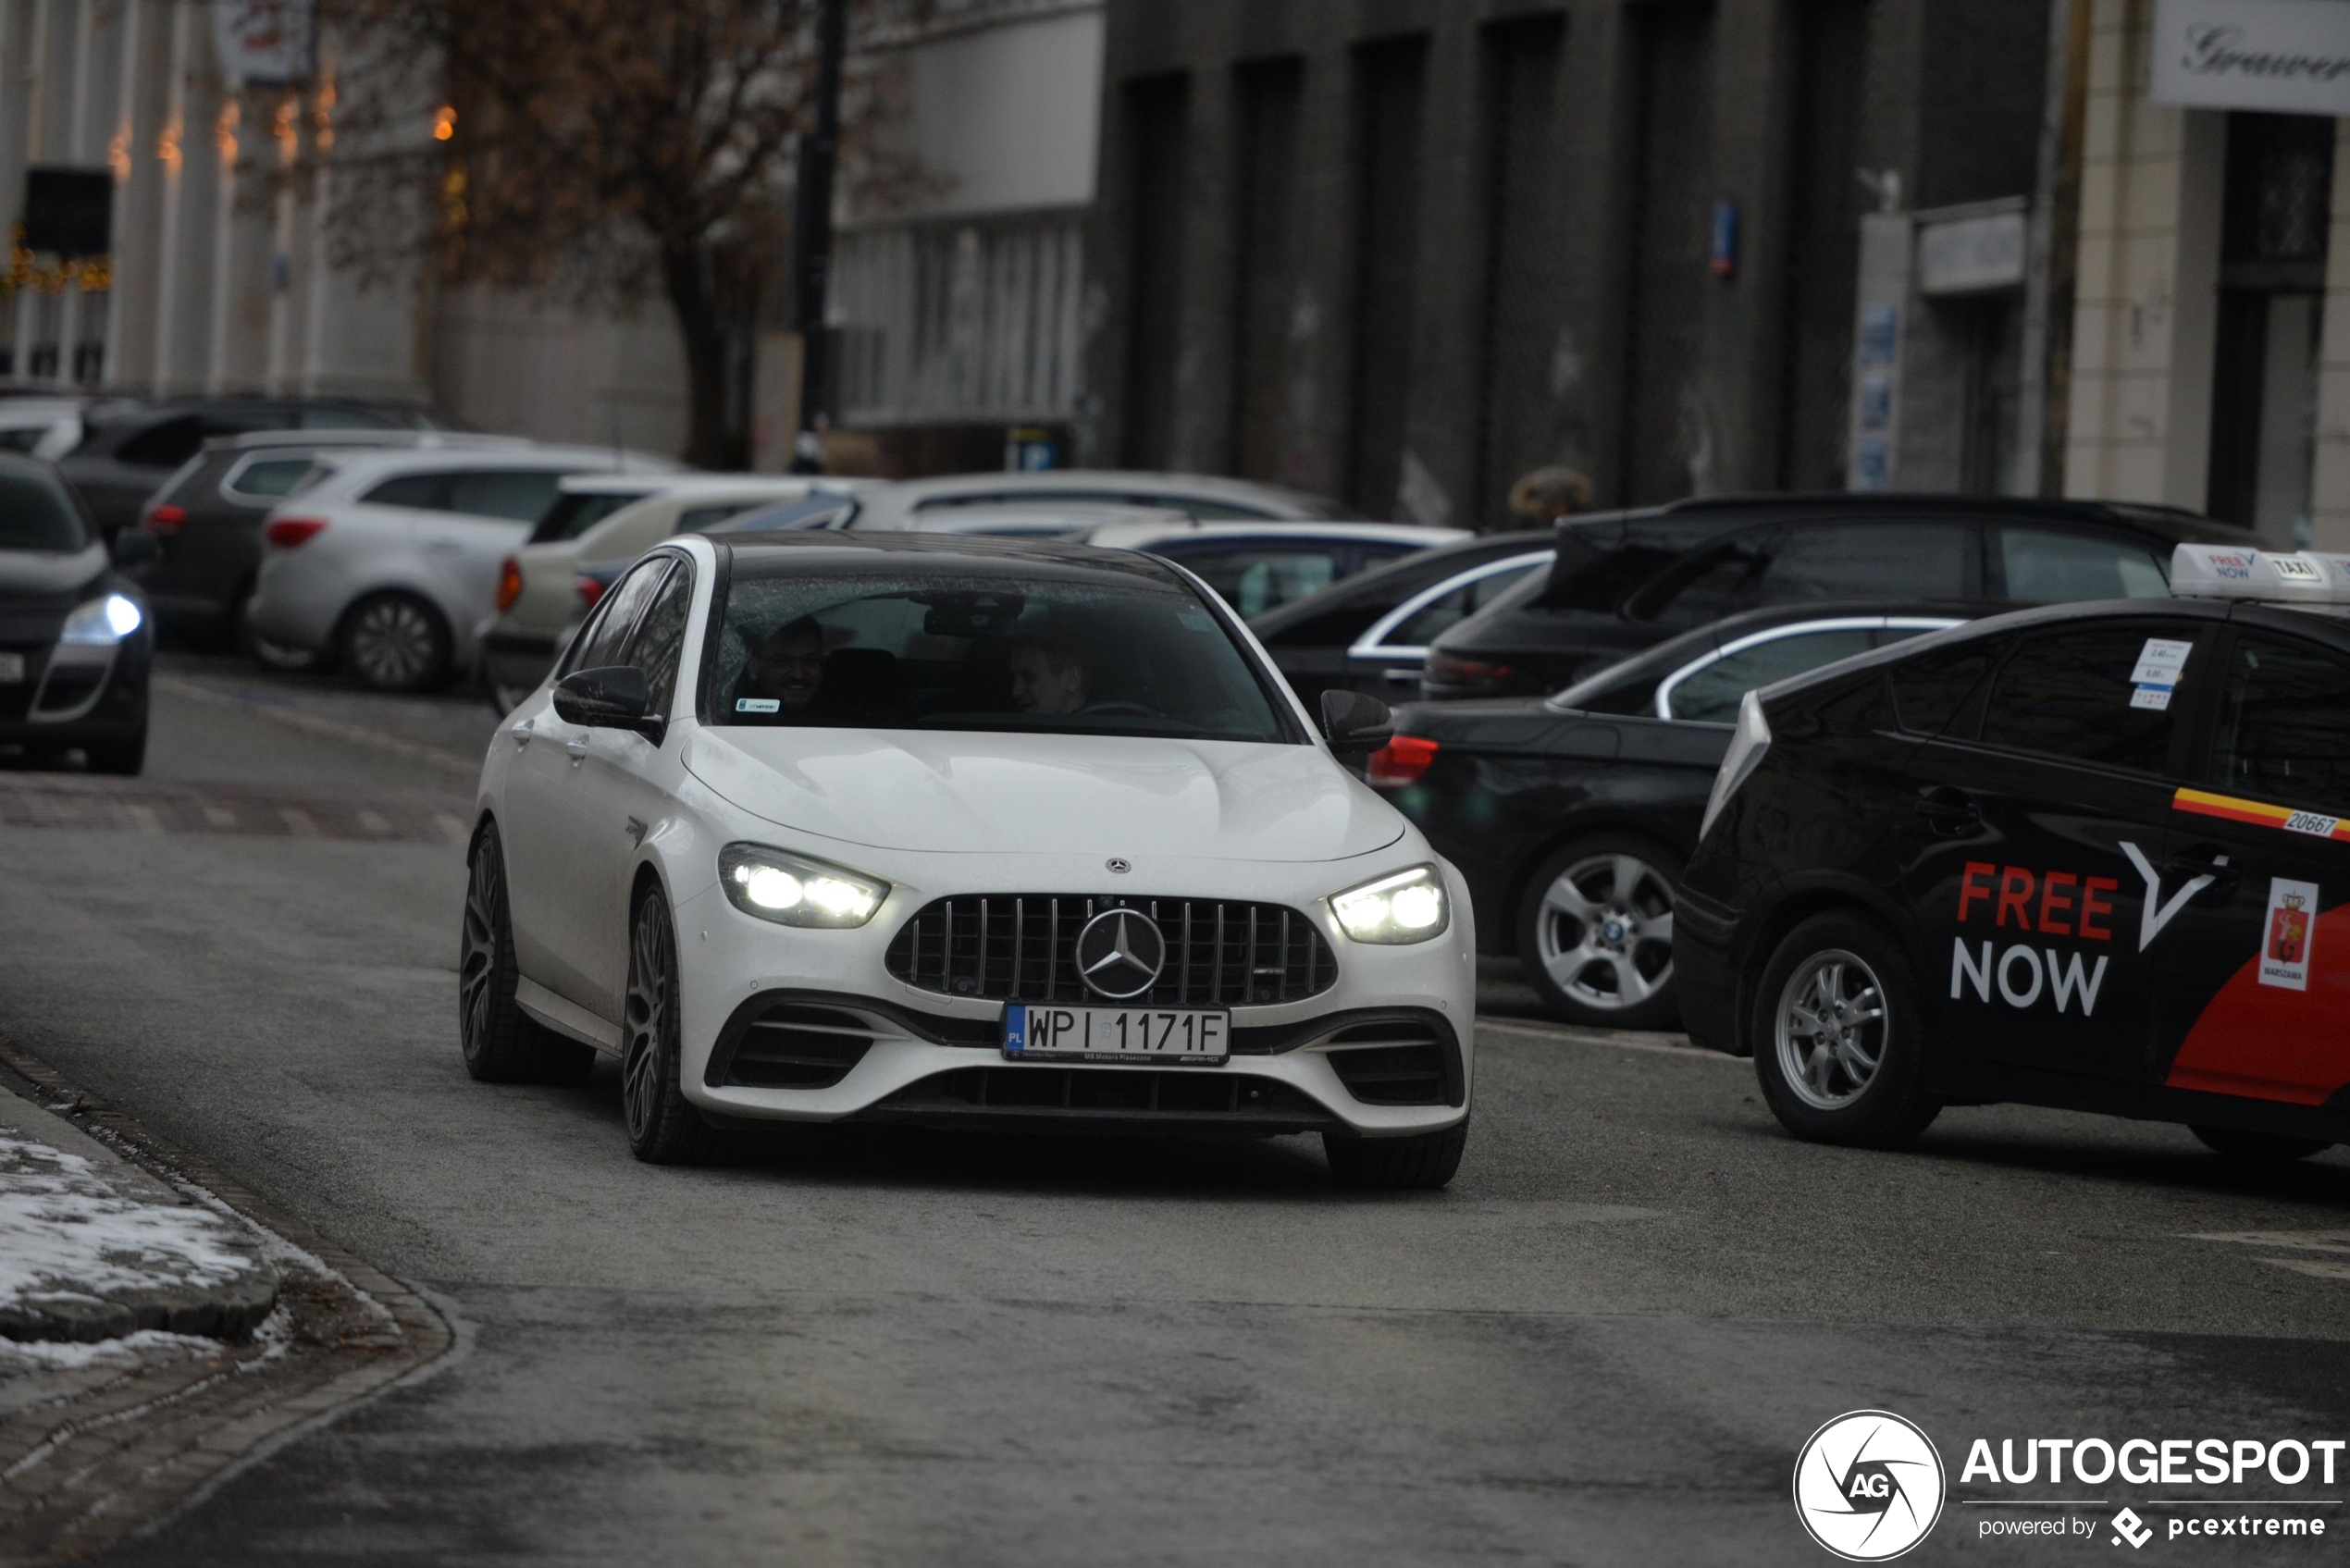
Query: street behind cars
1625,582
2089,856
76,641
850,763
1571,817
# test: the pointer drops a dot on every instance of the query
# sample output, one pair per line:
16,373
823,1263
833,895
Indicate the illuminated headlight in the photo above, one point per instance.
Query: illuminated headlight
793,890
1405,906
102,623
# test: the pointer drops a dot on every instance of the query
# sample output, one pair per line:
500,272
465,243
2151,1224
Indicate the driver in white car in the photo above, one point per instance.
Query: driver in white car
786,672
1049,676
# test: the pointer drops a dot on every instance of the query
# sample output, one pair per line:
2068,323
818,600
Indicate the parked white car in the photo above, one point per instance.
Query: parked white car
388,561
956,831
43,427
1204,496
1261,566
538,596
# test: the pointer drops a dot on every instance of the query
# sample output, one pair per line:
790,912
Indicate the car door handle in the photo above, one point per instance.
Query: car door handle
442,547
1949,812
577,746
521,734
2187,867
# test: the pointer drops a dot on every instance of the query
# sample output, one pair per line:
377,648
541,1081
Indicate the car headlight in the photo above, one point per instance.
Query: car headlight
102,623
794,889
1401,907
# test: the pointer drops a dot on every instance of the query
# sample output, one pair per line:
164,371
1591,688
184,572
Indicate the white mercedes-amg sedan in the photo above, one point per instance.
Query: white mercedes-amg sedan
960,833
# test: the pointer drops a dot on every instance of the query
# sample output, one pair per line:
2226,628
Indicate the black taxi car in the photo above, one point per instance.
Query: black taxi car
2095,856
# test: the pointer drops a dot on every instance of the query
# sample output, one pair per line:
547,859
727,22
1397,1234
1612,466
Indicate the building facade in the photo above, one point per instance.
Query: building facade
1403,251
2211,338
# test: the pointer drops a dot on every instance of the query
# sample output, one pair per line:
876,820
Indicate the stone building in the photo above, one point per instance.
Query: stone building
1405,249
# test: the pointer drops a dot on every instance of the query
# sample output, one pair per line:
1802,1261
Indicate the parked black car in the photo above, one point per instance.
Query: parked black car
1626,582
76,642
1571,818
1370,633
129,449
2090,858
206,522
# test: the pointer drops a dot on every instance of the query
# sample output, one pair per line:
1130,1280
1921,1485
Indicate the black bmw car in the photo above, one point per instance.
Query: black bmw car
1628,582
1571,817
2095,857
76,641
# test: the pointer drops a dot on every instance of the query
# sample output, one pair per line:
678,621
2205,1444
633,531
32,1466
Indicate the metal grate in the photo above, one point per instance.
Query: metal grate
792,1046
1021,947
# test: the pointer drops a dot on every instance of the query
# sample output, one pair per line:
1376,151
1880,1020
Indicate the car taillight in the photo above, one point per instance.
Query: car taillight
590,591
509,584
163,519
291,533
1450,669
1400,761
1747,742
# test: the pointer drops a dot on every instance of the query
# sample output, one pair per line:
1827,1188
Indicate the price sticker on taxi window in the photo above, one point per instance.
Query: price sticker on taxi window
2160,663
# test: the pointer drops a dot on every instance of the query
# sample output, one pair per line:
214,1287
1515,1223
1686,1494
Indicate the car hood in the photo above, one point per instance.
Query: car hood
1062,794
45,577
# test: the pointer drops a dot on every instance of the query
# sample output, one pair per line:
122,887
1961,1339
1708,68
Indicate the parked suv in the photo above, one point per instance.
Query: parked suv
390,562
1626,582
207,522
129,448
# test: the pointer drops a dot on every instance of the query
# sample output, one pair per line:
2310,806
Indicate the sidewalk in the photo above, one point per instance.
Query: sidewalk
92,1247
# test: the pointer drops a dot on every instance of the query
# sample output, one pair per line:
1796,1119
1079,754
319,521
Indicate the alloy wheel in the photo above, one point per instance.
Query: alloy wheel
651,1019
1604,932
1831,1029
395,643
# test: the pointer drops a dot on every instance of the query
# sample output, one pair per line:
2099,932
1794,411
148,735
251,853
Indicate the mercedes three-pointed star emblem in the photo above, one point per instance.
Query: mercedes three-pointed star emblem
1121,953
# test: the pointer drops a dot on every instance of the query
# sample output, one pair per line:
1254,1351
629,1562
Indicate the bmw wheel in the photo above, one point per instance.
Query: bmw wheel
1839,1043
663,1128
503,1043
396,642
1595,932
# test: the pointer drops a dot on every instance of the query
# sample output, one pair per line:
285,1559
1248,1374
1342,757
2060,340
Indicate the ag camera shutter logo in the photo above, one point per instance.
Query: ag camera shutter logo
1868,1485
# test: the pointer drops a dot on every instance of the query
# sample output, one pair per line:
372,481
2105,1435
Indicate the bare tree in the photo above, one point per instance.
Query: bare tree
607,149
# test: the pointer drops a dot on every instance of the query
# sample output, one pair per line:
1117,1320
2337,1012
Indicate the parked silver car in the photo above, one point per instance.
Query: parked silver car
389,561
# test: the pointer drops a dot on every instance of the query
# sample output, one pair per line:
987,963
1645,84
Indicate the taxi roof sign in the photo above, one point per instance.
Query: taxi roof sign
2296,580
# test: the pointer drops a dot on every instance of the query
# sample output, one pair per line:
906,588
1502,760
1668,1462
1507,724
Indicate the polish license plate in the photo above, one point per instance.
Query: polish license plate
1172,1037
11,669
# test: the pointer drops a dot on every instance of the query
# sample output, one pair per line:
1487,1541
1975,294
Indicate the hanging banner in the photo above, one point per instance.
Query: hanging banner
2286,56
265,43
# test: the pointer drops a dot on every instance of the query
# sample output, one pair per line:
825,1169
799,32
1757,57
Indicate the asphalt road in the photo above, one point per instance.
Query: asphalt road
1605,1344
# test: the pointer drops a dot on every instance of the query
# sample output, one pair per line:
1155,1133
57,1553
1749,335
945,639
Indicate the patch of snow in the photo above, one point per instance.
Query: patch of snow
66,1233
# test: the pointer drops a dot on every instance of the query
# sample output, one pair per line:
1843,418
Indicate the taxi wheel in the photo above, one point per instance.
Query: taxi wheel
1419,1164
501,1043
2256,1148
1595,932
664,1127
1839,1043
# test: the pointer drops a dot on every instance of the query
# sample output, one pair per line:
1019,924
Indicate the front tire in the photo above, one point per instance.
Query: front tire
501,1043
396,642
1839,1036
1595,932
125,759
1421,1163
2257,1148
664,1127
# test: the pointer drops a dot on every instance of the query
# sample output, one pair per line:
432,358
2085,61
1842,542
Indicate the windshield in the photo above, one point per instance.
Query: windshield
1088,655
36,513
571,515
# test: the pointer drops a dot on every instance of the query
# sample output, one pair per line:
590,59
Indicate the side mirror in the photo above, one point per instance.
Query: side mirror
135,547
614,698
1357,725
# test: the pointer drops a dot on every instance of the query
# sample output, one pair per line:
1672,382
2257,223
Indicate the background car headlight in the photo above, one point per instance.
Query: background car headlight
794,889
1404,907
102,623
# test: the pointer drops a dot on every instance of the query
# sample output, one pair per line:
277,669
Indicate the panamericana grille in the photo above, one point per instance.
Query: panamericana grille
1021,947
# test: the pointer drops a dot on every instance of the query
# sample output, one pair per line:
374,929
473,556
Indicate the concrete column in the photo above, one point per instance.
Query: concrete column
39,90
2144,319
1203,366
2329,491
1439,454
1597,94
143,67
191,192
1315,411
1753,156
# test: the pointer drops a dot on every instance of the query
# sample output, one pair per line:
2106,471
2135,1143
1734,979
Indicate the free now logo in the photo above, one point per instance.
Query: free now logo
2063,903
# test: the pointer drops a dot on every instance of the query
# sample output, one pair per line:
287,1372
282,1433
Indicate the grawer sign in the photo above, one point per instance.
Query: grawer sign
2288,57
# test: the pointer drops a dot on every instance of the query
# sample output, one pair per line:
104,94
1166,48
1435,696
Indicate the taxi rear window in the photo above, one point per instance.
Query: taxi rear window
1929,691
2072,694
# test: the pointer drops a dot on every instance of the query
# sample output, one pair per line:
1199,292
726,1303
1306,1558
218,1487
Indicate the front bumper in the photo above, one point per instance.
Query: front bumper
848,1040
73,695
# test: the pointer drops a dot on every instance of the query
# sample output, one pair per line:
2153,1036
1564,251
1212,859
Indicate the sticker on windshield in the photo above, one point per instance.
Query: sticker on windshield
2284,948
2160,663
758,705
